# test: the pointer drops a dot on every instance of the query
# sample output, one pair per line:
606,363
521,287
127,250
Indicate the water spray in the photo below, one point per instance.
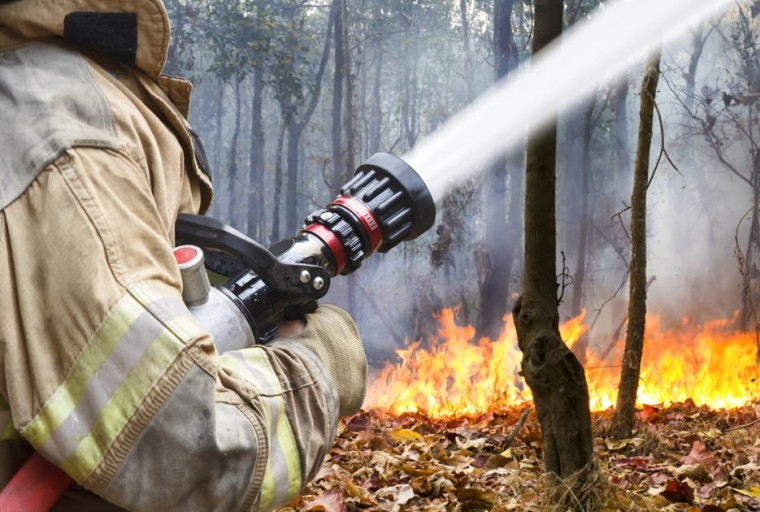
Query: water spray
558,79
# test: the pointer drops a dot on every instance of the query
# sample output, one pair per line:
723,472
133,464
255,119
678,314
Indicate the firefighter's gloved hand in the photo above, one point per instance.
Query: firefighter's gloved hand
332,335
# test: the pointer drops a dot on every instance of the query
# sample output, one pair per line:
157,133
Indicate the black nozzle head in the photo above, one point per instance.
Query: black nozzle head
385,203
395,193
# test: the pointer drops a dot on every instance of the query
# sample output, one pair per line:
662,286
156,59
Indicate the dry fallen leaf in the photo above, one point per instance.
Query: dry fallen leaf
327,502
381,460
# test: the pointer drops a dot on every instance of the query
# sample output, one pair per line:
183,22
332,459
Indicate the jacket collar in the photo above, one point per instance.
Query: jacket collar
135,31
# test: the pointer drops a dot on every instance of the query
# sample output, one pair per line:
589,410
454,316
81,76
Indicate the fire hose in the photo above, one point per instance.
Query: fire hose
385,203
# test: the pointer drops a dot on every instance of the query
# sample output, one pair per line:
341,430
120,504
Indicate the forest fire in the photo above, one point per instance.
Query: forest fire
711,364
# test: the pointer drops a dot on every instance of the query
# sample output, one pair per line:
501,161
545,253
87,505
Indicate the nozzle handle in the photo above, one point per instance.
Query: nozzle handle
287,277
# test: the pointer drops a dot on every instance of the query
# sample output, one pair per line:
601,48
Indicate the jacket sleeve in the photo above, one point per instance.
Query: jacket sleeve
111,378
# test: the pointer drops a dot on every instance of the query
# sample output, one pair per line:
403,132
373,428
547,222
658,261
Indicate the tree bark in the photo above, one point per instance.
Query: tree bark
277,193
256,156
348,111
219,116
376,112
339,78
622,421
498,249
233,184
295,129
467,65
550,369
621,154
579,277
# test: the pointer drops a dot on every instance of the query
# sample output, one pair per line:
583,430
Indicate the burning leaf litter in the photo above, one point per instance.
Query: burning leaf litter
711,363
683,458
444,429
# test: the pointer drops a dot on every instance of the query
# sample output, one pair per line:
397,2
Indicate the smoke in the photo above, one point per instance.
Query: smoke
694,212
559,78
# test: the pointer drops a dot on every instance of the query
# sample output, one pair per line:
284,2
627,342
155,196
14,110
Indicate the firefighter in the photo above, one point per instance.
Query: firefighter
103,370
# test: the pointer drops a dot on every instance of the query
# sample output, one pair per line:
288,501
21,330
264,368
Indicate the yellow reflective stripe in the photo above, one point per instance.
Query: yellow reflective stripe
282,477
127,354
122,405
65,398
257,358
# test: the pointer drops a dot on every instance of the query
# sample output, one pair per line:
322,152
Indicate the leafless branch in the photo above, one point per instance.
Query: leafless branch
619,215
513,433
663,151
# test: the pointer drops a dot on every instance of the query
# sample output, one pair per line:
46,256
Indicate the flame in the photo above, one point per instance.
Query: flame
456,375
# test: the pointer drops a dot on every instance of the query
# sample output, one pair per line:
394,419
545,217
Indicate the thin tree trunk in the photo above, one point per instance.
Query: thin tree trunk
219,115
552,372
277,199
233,185
348,112
748,320
498,248
579,277
621,154
337,105
256,164
291,188
376,113
622,421
353,305
467,54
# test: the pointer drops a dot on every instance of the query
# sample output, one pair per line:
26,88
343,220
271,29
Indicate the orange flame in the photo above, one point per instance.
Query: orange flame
711,364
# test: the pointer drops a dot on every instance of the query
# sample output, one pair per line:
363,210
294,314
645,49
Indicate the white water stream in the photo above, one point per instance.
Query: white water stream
560,77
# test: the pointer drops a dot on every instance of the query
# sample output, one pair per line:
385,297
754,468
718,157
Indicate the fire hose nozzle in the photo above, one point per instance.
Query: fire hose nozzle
386,202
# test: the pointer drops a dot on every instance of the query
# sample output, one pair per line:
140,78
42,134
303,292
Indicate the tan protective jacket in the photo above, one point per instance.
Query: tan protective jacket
102,368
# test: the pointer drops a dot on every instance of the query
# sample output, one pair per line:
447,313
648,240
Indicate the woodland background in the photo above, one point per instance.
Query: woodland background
292,95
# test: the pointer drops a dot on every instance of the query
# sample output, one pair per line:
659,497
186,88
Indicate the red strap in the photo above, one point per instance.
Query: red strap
35,487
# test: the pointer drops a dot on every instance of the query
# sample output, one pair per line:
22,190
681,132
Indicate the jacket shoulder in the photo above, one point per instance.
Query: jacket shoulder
50,103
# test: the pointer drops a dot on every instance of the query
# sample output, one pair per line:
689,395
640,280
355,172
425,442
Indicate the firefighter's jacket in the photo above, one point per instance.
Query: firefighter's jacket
102,368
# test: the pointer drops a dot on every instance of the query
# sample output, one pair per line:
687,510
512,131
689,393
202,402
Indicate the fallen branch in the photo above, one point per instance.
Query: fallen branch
739,427
511,437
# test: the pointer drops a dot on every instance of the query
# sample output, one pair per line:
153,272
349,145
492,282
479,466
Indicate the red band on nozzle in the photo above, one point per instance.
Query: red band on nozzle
332,242
367,218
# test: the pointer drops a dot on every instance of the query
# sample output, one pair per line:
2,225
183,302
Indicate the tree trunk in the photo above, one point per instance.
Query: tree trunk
550,369
343,153
497,248
291,187
621,154
467,66
622,421
276,200
219,116
256,164
579,276
348,111
409,106
337,104
232,185
376,113
748,320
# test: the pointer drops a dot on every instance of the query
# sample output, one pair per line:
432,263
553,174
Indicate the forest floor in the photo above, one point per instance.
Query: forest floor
681,457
